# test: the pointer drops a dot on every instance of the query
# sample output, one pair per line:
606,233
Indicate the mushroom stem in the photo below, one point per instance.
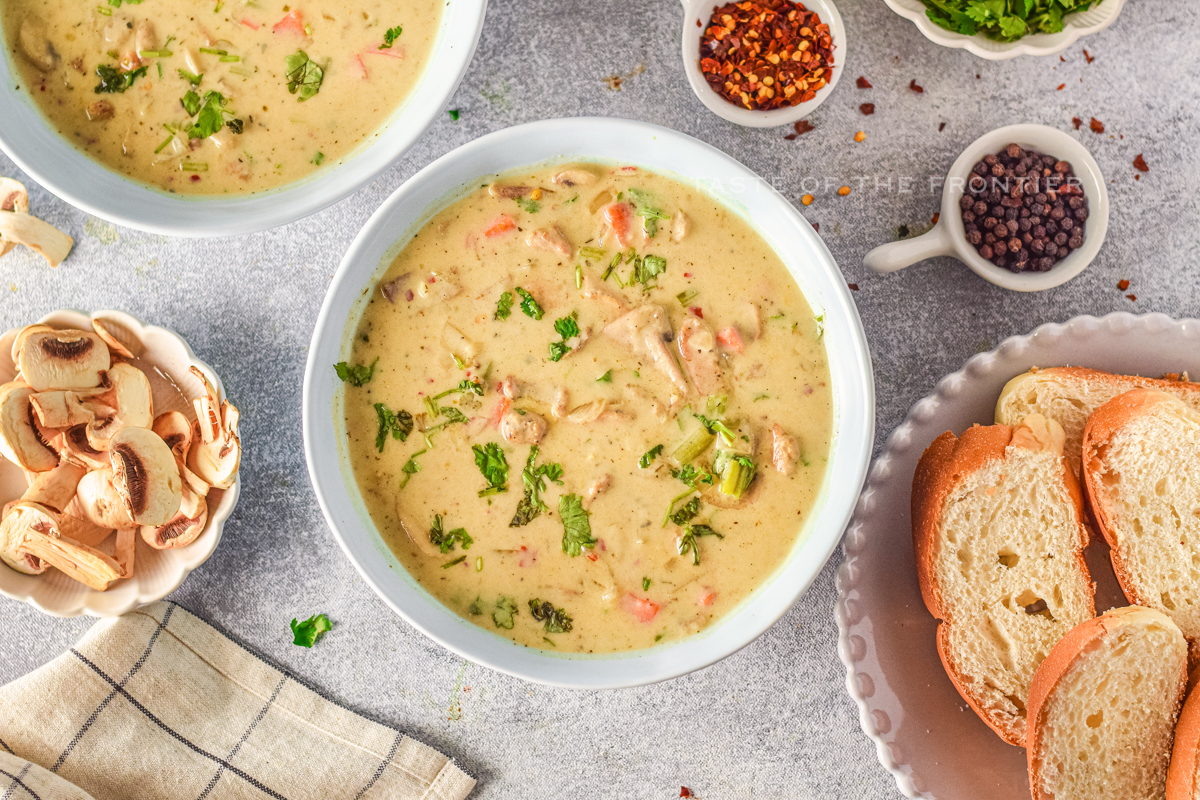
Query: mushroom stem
31,529
41,237
125,549
56,488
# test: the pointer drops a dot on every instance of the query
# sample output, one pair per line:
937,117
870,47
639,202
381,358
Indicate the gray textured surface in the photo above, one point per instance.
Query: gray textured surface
773,720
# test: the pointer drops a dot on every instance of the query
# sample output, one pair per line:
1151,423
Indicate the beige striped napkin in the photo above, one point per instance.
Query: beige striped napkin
157,704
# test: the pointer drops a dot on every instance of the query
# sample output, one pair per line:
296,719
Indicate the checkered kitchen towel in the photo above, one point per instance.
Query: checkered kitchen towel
157,704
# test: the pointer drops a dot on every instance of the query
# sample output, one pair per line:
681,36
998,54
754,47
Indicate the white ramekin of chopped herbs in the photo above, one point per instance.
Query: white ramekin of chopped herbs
999,29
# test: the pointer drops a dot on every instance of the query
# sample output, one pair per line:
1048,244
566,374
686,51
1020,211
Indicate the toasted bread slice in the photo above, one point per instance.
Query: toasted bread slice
1141,467
998,530
1069,395
1183,776
1102,708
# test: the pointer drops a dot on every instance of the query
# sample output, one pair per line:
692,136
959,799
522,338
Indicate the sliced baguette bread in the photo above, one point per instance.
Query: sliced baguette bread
998,530
1102,709
1141,467
1183,776
1069,395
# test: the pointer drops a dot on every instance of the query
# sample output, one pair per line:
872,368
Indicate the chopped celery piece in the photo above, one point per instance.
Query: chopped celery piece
693,446
736,474
594,253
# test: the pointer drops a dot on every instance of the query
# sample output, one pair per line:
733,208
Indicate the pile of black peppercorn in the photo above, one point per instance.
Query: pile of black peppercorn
1023,210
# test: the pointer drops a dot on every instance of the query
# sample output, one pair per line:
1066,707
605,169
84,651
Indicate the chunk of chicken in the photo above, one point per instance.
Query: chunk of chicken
518,428
144,36
646,331
679,226
574,177
507,192
551,239
619,219
117,31
594,290
698,346
100,110
784,450
510,388
595,487
588,412
558,406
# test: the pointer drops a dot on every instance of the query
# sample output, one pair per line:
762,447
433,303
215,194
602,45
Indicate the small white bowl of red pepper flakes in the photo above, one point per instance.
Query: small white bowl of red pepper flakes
763,63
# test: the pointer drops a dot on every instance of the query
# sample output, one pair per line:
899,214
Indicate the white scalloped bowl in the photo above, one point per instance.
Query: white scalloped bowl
924,733
1075,26
165,360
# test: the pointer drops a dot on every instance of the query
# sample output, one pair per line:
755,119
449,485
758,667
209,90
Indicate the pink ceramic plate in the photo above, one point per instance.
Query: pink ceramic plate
924,733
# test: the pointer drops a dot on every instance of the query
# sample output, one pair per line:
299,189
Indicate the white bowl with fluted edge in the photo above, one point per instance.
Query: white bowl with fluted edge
700,11
613,141
1075,26
948,237
30,140
165,358
925,735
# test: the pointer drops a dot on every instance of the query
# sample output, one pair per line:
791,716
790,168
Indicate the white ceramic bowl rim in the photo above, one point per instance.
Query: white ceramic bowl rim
31,141
693,10
626,142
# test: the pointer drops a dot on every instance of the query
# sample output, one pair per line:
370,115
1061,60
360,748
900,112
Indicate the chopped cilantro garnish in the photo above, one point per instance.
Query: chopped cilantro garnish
534,478
113,80
390,36
819,320
303,75
716,426
476,607
687,542
465,386
556,619
355,374
503,612
305,633
605,378
648,268
687,512
567,328
648,457
444,541
529,305
687,296
191,77
577,531
411,467
399,424
1000,20
645,584
529,205
494,466
235,125
643,206
318,159
209,113
504,305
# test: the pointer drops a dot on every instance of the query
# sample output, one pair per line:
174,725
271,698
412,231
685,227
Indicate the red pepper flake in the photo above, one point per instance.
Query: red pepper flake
936,217
592,557
1061,86
1140,164
699,24
766,54
195,179
816,227
698,311
1123,284
1137,177
918,89
1088,56
1096,125
941,127
685,792
853,287
1076,121
801,127
863,83
1060,58
867,109
1131,297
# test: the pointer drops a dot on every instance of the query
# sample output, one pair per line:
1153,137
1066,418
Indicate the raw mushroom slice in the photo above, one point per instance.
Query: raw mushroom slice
67,359
73,525
29,535
13,197
576,176
22,334
35,43
145,475
98,501
20,440
60,409
124,550
115,345
216,450
183,528
72,445
130,402
55,489
39,236
174,429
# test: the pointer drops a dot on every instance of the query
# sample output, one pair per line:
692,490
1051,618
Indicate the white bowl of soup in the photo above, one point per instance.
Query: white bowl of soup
588,403
224,119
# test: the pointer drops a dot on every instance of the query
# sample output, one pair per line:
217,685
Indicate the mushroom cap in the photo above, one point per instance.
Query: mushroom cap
183,528
33,530
12,528
100,503
130,404
216,462
35,43
145,475
20,440
110,338
72,445
66,359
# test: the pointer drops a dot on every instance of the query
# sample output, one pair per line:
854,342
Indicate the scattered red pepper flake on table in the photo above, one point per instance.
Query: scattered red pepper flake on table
1061,86
853,287
685,792
936,216
867,109
816,227
863,83
1076,121
1139,163
919,89
1096,125
1123,284
1088,56
1060,58
766,54
801,127
941,127
1131,297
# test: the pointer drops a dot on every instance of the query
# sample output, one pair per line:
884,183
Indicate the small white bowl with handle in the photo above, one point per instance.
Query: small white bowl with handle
949,238
695,19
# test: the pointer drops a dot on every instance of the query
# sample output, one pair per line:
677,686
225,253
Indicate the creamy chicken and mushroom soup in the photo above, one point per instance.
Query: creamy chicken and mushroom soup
588,408
221,97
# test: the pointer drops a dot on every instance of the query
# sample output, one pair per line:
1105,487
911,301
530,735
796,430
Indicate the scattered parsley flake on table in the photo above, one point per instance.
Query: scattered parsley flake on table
305,633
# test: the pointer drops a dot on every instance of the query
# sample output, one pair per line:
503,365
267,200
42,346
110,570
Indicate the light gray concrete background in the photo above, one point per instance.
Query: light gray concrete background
773,721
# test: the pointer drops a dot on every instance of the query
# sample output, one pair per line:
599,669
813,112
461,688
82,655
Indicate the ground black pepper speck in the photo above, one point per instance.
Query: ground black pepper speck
1024,211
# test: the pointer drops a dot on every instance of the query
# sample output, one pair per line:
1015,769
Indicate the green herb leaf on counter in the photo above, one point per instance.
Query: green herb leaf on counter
529,305
605,378
191,77
503,613
355,374
303,75
305,633
687,542
556,620
113,80
1001,19
529,205
534,478
399,424
577,530
648,457
504,305
411,467
494,466
453,114
445,541
643,206
390,36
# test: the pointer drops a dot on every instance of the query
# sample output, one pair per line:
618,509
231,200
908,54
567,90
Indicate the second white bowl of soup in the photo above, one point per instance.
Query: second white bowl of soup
226,119
590,388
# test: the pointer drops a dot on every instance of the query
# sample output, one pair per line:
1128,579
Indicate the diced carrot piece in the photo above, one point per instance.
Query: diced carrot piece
250,24
503,224
502,407
707,598
292,22
697,311
730,339
642,609
619,217
592,557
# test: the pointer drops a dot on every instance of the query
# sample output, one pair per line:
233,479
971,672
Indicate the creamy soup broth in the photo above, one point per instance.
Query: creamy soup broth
757,363
146,57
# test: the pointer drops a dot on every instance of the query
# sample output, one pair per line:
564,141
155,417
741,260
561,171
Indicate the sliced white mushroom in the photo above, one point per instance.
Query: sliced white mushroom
107,331
175,430
575,176
507,191
72,445
35,43
125,549
20,440
55,488
183,528
19,339
129,402
13,197
60,409
98,501
145,475
73,525
679,226
41,237
67,359
30,541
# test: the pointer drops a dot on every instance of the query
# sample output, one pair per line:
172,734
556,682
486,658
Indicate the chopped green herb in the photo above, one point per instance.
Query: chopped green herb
717,426
452,417
303,75
578,277
191,103
690,476
605,378
646,269
465,386
687,512
209,113
191,77
355,374
444,541
390,36
758,397
160,72
155,53
399,424
411,467
572,200
503,613
687,296
645,584
644,208
504,305
220,5
113,80
479,564
687,542
453,114
105,11
534,478
494,466
567,328
556,620
577,531
648,457
305,633
476,607
318,159
235,125
454,562
820,322
529,305
592,253
528,204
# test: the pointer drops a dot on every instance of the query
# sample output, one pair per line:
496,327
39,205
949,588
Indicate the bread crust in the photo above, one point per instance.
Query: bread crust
1172,384
946,463
1080,640
1181,775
